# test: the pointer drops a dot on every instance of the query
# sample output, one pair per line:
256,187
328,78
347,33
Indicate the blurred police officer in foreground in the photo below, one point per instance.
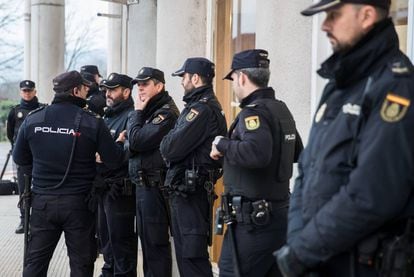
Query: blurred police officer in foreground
186,149
155,115
61,141
353,196
95,97
17,114
259,153
117,214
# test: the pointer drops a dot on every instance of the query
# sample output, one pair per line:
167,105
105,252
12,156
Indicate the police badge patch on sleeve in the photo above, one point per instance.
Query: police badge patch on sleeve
394,108
252,122
191,115
158,119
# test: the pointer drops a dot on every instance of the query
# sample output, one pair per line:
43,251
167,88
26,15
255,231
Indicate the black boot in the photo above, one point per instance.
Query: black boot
20,228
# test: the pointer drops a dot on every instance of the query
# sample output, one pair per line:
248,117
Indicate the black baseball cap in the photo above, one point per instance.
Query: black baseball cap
115,80
88,76
147,73
69,80
92,69
197,65
253,58
27,84
324,5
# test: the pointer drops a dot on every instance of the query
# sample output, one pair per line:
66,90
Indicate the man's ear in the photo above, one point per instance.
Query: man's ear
368,16
126,93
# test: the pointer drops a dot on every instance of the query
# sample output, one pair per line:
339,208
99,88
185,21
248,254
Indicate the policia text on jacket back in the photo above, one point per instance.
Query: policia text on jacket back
354,195
258,155
61,141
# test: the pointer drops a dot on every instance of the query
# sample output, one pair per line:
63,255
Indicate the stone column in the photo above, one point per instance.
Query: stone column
115,36
27,40
47,44
287,35
142,36
181,33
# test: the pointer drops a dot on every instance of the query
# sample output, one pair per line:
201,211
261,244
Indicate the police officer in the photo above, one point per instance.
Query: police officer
17,114
186,150
259,153
61,141
96,97
155,115
117,214
354,190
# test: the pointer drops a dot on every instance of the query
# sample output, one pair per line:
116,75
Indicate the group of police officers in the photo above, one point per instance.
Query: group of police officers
146,170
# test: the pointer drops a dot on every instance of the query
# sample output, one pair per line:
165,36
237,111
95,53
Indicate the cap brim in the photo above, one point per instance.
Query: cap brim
179,73
139,79
228,76
27,88
109,85
320,7
86,82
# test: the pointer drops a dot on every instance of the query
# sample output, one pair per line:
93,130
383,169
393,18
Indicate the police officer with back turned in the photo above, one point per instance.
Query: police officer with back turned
259,153
352,205
192,173
61,141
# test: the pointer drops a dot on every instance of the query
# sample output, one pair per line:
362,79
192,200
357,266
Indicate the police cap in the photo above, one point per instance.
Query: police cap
92,69
69,80
200,66
88,76
253,58
27,84
324,5
115,80
147,73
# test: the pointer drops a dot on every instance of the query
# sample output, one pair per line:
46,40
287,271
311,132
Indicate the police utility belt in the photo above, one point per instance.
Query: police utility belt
243,210
127,187
151,179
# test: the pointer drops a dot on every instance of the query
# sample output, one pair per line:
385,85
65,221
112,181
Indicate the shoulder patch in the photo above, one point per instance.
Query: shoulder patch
251,106
166,106
394,107
252,122
191,115
400,68
158,119
204,100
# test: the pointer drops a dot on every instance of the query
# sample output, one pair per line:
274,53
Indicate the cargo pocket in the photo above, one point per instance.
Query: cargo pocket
194,243
287,149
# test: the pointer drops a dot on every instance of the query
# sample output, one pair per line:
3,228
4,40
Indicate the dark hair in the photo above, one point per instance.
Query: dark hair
156,81
258,76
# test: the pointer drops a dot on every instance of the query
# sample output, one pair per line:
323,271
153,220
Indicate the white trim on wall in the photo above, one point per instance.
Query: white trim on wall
410,30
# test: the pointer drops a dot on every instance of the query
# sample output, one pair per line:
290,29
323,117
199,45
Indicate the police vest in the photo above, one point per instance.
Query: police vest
270,182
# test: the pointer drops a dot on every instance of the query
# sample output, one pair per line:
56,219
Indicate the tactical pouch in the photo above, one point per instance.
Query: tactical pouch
219,223
191,179
261,212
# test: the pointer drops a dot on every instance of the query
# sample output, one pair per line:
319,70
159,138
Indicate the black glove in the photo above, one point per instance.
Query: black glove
115,190
289,264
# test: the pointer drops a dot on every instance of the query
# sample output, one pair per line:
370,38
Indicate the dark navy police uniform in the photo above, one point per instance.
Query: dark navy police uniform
259,153
187,147
117,213
60,186
146,128
14,120
356,173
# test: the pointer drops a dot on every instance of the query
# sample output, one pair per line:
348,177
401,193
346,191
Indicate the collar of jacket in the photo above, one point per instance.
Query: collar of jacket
359,62
261,93
67,98
197,94
119,107
156,103
30,105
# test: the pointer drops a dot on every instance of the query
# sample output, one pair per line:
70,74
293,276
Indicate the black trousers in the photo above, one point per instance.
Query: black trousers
123,243
153,230
255,245
189,218
52,215
104,242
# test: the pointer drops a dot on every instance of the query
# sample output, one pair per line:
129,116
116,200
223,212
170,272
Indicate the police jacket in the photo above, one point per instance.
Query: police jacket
46,139
116,118
356,173
189,143
146,129
16,116
262,146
